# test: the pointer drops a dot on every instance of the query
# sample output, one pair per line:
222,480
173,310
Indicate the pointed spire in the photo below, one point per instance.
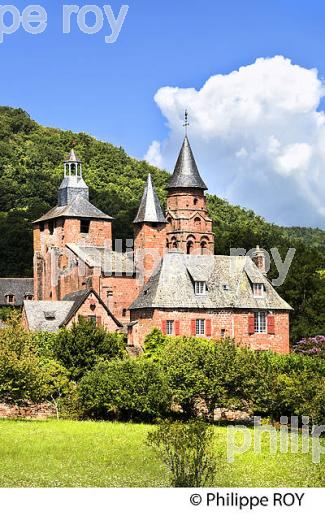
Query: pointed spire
72,158
150,208
186,173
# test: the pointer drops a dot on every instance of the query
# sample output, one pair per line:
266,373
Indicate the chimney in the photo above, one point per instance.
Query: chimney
259,259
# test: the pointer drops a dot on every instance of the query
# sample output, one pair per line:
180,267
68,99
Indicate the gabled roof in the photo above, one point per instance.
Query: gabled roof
19,287
150,208
228,285
78,298
78,207
186,173
50,316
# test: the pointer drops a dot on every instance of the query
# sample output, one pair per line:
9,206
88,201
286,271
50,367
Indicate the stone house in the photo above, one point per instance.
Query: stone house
168,277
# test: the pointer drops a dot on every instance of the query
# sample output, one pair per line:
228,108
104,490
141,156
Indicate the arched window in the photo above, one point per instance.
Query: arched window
204,247
174,243
195,201
197,223
189,247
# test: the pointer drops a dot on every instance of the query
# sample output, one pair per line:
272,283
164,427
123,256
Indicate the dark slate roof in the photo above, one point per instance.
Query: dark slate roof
228,281
19,287
46,316
186,173
109,261
78,207
150,208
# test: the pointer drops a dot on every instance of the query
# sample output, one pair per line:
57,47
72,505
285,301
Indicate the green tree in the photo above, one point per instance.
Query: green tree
79,349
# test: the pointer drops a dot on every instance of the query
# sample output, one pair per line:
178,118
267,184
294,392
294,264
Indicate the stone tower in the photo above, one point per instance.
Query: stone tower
73,221
149,232
189,228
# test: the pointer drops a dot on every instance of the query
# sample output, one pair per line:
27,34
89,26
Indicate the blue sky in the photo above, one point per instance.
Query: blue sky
78,82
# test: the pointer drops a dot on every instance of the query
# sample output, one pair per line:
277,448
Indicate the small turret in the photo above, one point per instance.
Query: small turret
73,183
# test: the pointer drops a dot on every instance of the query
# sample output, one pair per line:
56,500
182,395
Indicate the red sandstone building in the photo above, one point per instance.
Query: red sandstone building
169,279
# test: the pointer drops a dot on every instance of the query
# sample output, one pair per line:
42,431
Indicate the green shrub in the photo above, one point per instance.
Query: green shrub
21,375
80,348
187,451
154,344
128,389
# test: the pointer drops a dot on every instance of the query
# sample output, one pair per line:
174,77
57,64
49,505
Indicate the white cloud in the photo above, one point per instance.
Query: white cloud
258,138
153,155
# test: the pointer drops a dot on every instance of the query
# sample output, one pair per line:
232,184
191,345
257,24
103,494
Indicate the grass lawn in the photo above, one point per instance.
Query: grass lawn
90,454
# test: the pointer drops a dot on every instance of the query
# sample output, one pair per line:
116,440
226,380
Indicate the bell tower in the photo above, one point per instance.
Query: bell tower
73,221
189,227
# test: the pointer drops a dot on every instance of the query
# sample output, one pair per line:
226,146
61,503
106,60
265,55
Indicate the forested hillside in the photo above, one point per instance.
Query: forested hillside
31,170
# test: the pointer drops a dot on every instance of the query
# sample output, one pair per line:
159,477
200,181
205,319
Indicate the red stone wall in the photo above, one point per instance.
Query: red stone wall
234,324
92,307
27,411
149,247
188,220
118,293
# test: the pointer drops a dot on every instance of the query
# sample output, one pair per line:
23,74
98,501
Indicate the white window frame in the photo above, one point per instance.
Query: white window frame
170,325
260,322
258,290
200,288
200,327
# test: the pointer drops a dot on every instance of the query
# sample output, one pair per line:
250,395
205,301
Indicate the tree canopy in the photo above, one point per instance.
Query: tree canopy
31,170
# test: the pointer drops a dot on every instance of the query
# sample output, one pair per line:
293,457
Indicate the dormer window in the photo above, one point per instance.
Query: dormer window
28,297
49,315
200,288
10,299
258,290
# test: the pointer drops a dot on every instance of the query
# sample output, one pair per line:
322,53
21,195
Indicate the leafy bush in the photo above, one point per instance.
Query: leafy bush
21,374
187,451
224,375
128,389
154,344
84,345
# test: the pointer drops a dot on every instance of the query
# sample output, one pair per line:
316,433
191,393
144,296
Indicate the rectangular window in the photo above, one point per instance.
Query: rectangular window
10,298
258,290
200,327
84,226
51,227
223,333
200,288
260,322
169,327
93,319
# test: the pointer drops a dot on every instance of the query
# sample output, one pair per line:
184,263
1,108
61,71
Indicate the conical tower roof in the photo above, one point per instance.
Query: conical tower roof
186,173
150,208
72,158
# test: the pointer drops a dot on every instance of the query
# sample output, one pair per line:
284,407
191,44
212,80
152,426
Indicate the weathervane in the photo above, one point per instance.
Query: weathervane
186,123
